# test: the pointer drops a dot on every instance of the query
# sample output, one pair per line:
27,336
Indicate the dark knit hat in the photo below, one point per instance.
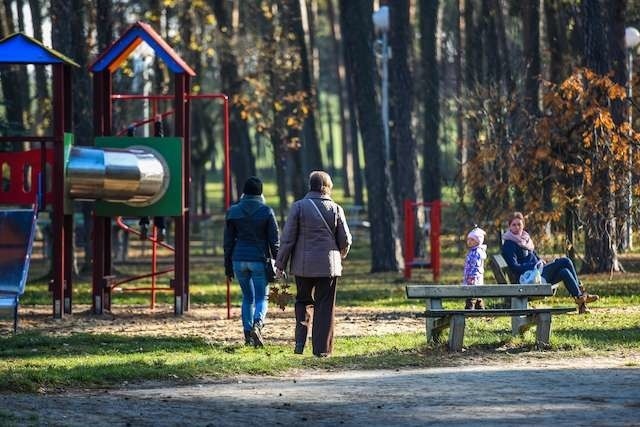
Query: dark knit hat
253,186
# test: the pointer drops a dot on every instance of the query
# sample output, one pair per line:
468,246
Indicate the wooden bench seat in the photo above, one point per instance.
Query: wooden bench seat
522,317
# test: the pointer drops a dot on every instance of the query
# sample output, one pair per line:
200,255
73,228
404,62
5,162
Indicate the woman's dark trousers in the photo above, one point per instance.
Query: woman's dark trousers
316,298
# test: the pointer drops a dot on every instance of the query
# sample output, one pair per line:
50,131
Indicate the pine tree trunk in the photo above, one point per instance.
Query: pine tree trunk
405,167
600,241
242,160
431,185
385,247
343,111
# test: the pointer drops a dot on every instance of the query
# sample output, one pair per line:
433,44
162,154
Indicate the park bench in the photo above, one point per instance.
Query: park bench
522,317
503,275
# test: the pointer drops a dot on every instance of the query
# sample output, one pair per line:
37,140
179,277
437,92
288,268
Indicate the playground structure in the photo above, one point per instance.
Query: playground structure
431,228
18,229
125,176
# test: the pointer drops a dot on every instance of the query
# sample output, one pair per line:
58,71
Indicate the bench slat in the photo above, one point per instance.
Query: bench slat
458,291
498,312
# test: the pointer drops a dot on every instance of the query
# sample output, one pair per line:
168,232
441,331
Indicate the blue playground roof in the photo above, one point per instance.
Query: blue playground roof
19,48
121,49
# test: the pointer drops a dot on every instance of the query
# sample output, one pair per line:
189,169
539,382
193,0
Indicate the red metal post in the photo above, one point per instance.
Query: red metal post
58,253
187,184
227,157
435,239
101,225
409,241
227,185
180,223
68,217
154,265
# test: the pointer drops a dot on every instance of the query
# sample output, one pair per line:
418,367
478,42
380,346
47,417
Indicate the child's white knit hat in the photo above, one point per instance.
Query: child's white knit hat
477,234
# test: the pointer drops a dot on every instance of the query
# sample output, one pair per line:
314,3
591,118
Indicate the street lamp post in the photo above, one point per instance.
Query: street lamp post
381,25
631,40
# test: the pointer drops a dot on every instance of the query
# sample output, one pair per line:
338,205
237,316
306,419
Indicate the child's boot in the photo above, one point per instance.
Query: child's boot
479,304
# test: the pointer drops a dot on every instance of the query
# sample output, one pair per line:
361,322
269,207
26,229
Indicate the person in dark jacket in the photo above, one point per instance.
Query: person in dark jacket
250,237
315,240
518,252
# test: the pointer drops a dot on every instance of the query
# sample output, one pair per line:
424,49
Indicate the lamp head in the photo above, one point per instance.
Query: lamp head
381,21
631,37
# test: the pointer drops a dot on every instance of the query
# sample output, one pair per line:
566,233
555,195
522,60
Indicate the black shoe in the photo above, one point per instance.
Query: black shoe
247,338
299,348
256,334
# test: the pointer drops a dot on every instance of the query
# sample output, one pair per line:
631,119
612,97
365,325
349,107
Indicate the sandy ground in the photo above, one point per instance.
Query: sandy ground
211,322
601,392
524,390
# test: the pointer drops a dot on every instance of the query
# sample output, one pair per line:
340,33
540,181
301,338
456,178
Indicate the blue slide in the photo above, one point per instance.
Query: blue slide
17,232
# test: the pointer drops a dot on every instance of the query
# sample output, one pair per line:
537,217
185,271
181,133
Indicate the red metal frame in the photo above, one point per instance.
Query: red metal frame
154,264
227,166
434,238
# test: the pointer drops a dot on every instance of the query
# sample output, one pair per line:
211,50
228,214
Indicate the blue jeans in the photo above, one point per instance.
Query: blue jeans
255,291
562,270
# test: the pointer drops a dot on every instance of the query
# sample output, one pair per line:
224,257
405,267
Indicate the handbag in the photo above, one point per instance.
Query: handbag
270,270
533,276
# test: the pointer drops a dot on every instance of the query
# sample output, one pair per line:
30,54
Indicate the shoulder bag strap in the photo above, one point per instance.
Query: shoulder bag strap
321,216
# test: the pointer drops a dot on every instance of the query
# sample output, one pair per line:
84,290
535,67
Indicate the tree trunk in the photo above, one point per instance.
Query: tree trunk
617,59
12,89
358,183
541,189
472,78
343,111
303,29
42,94
104,24
431,180
405,168
358,31
242,160
600,242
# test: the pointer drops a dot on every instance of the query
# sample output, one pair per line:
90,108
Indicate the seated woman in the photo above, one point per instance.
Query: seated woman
518,252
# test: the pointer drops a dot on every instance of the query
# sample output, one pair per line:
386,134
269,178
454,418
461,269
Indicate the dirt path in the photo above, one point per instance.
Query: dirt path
523,389
211,322
603,392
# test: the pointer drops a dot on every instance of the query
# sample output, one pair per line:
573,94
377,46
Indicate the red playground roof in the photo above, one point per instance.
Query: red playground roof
121,49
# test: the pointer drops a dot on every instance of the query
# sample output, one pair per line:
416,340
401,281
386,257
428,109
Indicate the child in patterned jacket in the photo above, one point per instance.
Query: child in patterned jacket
474,265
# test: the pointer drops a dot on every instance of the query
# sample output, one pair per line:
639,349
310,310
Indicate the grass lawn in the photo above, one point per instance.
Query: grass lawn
36,360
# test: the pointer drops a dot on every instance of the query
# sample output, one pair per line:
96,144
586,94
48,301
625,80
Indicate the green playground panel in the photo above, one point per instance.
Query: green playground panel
68,203
170,204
